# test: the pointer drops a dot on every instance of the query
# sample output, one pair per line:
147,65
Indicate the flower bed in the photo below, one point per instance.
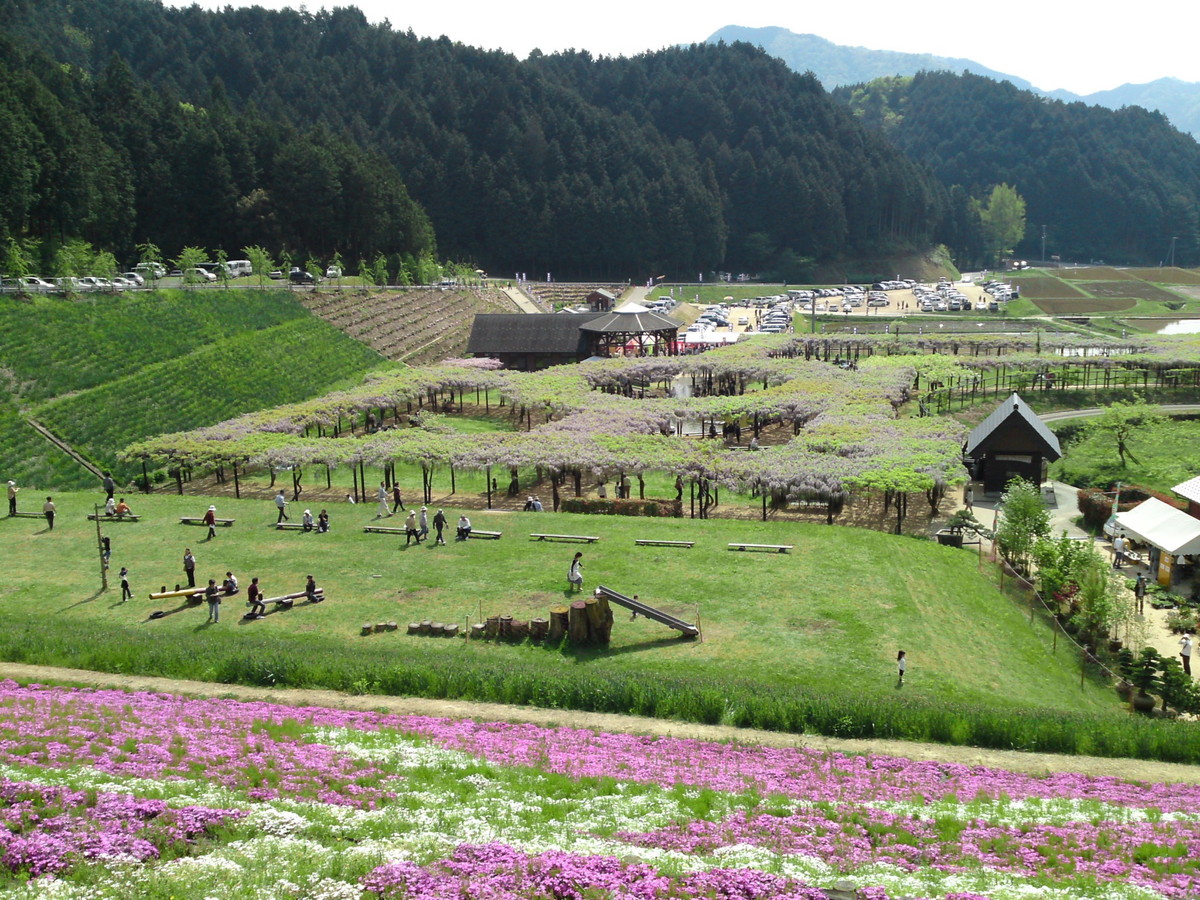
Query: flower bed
107,794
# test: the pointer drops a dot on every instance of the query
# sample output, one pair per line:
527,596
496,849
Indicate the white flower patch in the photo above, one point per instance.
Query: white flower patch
1044,811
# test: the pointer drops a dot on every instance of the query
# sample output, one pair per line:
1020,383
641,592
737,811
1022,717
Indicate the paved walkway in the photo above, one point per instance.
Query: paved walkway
523,303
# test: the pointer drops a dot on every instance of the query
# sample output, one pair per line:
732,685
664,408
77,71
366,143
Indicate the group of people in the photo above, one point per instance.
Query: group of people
532,504
120,509
416,528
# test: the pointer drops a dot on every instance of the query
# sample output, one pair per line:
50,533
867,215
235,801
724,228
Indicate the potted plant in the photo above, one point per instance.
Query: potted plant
1125,668
1143,675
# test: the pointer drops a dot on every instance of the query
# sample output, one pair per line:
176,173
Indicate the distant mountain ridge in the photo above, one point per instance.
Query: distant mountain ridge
836,64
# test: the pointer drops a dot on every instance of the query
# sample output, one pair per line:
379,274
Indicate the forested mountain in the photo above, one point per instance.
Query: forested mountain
1107,184
836,65
674,162
114,162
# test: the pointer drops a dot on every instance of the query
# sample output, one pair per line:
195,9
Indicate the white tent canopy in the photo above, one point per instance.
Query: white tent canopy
1163,526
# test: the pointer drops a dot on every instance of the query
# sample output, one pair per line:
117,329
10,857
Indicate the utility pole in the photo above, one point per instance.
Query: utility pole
100,549
1043,245
1174,238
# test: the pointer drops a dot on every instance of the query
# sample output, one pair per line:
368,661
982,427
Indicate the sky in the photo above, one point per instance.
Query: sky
1068,44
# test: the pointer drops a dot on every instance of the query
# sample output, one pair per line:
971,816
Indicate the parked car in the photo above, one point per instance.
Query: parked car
196,275
136,277
275,274
67,285
93,283
333,272
123,284
150,270
31,284
301,276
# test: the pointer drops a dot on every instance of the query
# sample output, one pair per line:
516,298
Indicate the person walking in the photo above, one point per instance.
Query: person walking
126,593
575,573
439,523
1185,653
48,510
213,596
210,519
109,486
189,567
281,504
1139,593
424,526
12,497
970,497
397,500
902,665
410,528
382,496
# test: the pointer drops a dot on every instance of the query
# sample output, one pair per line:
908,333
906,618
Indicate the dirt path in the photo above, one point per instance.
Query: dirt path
1032,763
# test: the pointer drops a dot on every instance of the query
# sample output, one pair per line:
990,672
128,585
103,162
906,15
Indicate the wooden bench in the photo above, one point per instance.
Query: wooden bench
493,535
293,526
587,539
128,517
650,542
27,515
780,548
383,529
199,520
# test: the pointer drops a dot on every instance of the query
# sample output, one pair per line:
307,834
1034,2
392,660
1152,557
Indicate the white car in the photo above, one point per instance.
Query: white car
135,277
34,285
196,276
93,283
333,272
150,270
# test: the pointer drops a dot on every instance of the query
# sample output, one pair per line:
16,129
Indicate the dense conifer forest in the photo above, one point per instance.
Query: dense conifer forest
315,133
1108,184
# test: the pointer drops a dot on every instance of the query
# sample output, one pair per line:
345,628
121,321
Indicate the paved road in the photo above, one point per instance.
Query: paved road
522,302
1169,409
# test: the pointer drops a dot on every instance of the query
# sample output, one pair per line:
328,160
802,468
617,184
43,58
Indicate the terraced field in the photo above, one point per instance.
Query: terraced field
417,326
555,296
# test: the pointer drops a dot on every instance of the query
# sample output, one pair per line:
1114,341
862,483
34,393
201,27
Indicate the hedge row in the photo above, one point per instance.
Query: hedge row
1096,505
649,508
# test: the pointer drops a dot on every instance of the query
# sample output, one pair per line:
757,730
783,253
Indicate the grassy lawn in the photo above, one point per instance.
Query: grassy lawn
1165,456
825,618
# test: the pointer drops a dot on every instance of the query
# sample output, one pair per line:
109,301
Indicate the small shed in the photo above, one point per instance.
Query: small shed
601,300
1011,442
528,341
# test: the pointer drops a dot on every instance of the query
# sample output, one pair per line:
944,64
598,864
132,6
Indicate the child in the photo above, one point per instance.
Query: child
126,593
902,663
575,574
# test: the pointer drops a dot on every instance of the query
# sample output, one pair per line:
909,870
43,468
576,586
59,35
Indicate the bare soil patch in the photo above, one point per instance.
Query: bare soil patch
1081,305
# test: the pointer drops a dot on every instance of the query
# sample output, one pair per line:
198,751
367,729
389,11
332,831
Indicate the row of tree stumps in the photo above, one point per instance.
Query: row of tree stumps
585,622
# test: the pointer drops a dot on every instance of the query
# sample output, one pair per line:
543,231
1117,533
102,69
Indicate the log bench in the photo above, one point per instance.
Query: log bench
780,548
128,517
654,542
493,535
199,520
587,539
287,600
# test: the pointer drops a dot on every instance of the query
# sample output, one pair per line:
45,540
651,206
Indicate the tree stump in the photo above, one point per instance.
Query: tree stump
425,626
478,631
413,627
367,629
450,629
538,629
520,630
492,626
437,629
380,627
558,624
506,628
392,626
600,619
577,623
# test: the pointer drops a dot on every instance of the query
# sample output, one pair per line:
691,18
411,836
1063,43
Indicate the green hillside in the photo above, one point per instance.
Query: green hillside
103,373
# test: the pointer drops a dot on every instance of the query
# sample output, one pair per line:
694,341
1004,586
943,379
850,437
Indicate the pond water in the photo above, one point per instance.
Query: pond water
1170,326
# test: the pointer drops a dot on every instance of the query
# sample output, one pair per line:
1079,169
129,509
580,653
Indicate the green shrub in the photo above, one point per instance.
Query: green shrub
651,508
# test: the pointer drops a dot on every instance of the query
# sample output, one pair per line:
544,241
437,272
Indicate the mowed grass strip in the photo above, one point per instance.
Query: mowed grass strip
827,618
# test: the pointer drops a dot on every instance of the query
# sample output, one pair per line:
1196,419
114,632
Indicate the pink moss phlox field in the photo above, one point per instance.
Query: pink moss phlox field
1163,856
229,739
45,830
499,872
147,735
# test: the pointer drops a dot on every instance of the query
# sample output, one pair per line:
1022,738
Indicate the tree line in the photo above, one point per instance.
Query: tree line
294,126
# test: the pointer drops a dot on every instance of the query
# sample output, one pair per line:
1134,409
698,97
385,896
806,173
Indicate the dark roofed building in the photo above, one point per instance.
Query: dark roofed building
1011,442
601,300
527,342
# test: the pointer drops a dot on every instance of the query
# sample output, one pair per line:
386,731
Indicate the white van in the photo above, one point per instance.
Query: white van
239,267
